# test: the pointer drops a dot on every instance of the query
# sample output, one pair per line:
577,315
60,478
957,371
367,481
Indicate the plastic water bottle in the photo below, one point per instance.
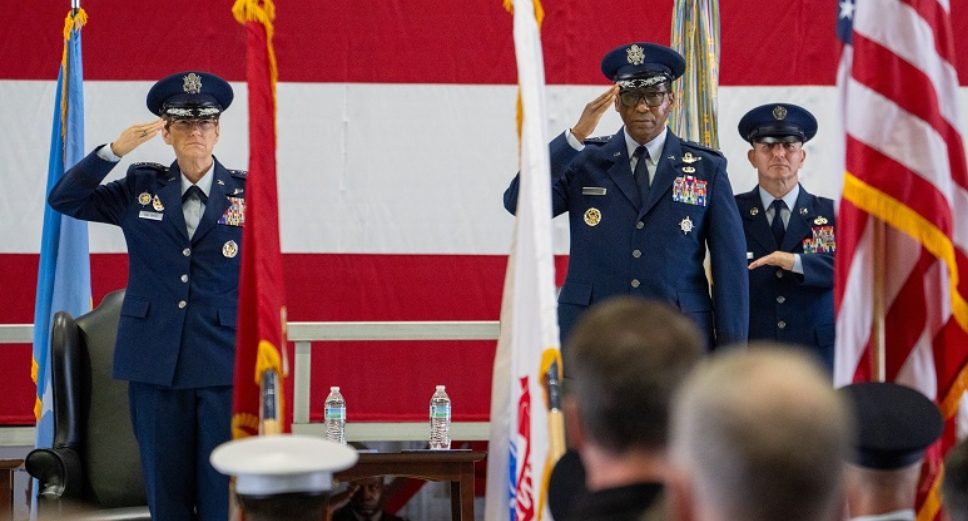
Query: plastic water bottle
440,419
335,416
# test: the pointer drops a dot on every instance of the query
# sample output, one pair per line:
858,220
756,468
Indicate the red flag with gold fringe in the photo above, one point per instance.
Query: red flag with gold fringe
261,341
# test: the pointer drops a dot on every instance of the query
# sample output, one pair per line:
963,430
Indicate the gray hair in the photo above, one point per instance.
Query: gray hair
761,435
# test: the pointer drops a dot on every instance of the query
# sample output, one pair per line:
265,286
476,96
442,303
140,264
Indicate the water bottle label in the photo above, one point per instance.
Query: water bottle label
335,413
440,411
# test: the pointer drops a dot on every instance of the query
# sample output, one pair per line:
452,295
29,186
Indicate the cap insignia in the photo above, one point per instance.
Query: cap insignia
192,83
779,113
635,55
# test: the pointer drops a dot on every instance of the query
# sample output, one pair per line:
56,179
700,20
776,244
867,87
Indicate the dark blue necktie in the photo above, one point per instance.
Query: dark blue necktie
641,173
777,226
195,191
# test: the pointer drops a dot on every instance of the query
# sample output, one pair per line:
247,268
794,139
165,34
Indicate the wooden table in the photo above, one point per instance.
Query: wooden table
456,466
7,468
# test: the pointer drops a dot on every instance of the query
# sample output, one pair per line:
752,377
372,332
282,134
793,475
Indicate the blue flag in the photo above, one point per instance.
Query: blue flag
64,274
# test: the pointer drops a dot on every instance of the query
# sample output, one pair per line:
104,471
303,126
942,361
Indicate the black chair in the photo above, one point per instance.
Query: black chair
93,470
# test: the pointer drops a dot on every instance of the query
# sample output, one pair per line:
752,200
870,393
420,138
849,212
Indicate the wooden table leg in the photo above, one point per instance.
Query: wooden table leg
467,492
455,506
7,468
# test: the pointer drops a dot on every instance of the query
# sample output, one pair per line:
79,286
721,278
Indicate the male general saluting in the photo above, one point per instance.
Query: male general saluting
644,204
176,336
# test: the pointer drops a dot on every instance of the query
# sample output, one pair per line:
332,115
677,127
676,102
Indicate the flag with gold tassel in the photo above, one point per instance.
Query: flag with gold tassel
695,34
260,364
527,431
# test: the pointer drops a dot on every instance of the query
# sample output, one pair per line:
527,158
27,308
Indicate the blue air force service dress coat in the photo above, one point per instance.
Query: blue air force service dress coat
178,319
786,306
621,245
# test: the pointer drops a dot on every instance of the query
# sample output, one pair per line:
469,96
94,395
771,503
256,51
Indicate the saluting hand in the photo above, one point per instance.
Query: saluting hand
780,259
133,136
593,113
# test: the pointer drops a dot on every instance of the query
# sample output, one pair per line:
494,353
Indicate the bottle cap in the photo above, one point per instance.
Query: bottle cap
440,387
334,389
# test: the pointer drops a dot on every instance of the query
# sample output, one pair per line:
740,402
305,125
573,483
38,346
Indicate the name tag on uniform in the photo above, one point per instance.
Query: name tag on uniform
153,216
593,190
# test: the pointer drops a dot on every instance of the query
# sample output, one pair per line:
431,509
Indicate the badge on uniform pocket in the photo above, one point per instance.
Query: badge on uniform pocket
593,190
235,214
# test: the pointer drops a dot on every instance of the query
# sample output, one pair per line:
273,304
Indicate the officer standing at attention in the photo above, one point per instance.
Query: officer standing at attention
644,205
792,270
176,337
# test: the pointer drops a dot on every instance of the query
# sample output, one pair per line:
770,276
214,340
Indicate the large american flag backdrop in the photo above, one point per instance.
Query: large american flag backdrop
396,140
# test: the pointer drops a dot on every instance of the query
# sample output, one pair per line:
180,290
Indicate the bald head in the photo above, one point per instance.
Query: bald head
760,435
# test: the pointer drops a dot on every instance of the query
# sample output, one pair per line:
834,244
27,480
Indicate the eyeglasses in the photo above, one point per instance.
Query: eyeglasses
187,125
788,146
632,98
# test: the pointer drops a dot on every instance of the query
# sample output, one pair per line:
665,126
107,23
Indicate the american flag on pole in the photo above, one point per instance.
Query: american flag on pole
526,438
905,174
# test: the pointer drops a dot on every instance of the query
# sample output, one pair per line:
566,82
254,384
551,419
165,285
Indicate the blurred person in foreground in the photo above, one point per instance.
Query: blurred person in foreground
896,424
758,435
627,356
954,488
283,477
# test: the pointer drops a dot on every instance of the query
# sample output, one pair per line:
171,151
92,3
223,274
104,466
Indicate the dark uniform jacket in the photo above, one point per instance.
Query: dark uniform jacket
621,245
629,503
786,306
346,514
178,318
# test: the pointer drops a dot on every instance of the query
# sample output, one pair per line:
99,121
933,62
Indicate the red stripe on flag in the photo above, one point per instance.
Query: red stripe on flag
909,88
382,381
906,316
935,15
897,181
851,224
414,41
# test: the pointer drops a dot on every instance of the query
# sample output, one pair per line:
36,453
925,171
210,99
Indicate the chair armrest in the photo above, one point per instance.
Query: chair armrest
59,472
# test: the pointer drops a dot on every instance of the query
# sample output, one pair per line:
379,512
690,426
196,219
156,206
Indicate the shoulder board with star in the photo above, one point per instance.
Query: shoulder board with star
241,174
700,146
598,140
158,167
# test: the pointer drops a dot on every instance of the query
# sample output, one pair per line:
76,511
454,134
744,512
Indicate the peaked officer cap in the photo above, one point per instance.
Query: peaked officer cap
778,120
190,95
895,424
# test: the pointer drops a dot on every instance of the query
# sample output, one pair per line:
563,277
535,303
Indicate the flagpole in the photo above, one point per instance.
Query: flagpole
878,350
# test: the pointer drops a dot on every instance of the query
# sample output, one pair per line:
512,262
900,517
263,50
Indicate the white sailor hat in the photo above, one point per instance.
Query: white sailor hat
282,464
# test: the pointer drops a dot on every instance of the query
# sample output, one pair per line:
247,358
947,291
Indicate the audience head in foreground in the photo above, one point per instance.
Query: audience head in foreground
954,488
758,435
895,425
625,358
283,477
